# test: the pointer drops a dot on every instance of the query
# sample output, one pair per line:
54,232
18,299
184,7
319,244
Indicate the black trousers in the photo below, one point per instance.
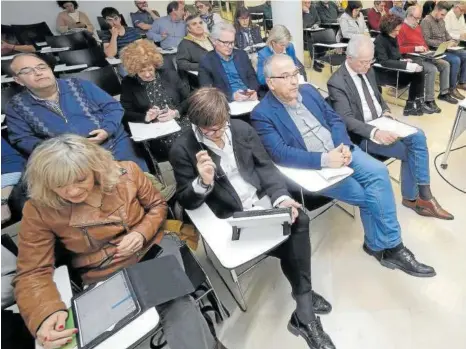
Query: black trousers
416,89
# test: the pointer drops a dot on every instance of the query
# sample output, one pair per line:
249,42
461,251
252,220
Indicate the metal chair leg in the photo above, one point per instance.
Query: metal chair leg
444,164
351,214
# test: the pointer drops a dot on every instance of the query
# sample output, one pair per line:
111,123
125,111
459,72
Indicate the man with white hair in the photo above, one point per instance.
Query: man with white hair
227,68
455,22
355,96
299,129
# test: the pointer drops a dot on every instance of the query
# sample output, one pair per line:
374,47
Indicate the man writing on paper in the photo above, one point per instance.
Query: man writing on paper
355,96
222,163
299,129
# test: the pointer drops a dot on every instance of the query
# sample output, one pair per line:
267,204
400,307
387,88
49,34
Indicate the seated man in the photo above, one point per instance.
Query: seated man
50,107
299,129
228,69
411,40
398,10
375,15
222,163
171,29
435,33
194,46
144,16
355,96
328,11
118,36
455,21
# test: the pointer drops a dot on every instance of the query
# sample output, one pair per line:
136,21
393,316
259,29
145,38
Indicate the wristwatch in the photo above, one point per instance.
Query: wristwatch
204,186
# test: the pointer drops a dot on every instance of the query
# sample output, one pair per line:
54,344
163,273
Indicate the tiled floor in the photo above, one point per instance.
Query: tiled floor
373,307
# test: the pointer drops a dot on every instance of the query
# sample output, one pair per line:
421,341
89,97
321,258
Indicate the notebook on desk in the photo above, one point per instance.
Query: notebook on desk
142,131
387,124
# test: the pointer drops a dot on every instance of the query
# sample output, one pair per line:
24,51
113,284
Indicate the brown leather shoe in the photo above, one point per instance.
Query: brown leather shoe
428,208
461,86
456,94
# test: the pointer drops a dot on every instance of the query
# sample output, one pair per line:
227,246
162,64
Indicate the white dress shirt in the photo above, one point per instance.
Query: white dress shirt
246,192
455,26
365,107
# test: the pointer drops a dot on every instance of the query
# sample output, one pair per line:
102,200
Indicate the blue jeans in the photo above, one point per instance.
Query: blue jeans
369,188
414,156
457,62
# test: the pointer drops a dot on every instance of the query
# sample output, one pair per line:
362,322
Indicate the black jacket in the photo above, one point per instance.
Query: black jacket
347,103
134,98
189,55
311,18
211,72
254,164
328,15
387,52
240,41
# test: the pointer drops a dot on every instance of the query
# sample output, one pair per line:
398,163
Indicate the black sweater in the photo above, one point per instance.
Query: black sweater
387,52
189,55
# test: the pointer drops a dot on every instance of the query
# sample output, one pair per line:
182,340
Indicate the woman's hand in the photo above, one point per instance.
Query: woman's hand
152,114
169,115
52,333
130,244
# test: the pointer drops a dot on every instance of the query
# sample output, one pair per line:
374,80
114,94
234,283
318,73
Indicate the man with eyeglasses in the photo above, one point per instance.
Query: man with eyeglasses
355,96
171,29
455,21
411,40
50,107
299,129
194,46
227,68
222,163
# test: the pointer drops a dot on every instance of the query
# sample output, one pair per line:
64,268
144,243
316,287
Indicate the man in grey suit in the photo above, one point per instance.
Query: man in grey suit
355,96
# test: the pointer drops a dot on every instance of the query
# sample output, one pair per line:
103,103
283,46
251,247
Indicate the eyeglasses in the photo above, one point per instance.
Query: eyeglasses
30,70
372,61
196,23
111,19
288,77
226,43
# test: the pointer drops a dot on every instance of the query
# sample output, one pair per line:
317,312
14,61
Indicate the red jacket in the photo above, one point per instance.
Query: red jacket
374,17
409,38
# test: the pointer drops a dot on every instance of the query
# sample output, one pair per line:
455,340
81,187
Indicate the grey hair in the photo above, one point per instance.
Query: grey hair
268,73
356,43
279,33
221,27
411,9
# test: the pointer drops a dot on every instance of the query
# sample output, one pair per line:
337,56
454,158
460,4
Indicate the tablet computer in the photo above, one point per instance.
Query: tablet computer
104,309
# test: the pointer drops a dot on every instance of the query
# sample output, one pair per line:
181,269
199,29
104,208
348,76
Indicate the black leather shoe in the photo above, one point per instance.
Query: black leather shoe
320,65
448,98
432,105
412,109
426,109
312,333
320,305
402,259
317,68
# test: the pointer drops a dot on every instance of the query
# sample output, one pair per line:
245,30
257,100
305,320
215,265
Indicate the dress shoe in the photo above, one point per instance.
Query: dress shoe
428,208
426,109
462,86
411,109
317,68
446,97
320,305
313,333
456,94
402,259
319,64
432,105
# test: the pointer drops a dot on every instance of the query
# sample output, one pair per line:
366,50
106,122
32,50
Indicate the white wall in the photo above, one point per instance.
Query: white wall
27,12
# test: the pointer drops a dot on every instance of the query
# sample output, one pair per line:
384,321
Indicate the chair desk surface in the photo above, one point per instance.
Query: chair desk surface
232,254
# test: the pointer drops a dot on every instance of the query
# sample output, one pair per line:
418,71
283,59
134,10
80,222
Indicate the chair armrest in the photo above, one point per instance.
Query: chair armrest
380,66
336,45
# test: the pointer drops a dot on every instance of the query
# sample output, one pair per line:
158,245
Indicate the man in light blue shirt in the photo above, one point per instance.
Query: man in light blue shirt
397,9
171,29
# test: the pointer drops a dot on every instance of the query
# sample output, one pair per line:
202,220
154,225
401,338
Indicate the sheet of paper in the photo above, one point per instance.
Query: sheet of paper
240,108
387,124
334,173
142,131
455,48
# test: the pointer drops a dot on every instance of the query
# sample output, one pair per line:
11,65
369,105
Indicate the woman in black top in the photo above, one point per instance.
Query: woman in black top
150,94
387,53
247,34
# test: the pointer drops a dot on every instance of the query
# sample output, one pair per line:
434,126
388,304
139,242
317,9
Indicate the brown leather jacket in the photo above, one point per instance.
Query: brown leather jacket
90,234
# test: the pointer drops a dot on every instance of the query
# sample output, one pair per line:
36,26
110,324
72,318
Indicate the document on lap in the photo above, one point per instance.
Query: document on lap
386,124
141,131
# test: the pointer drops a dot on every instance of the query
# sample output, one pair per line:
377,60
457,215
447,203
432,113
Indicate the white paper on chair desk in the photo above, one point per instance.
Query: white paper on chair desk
386,124
142,132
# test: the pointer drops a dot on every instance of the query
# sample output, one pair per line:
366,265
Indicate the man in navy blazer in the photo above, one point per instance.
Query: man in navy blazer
228,69
299,129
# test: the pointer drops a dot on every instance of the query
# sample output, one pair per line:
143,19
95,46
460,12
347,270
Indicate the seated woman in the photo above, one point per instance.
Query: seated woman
387,53
279,41
247,33
204,8
75,189
150,94
71,20
352,22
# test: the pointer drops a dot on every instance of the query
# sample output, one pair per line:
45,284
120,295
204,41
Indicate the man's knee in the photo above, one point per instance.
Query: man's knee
454,60
429,68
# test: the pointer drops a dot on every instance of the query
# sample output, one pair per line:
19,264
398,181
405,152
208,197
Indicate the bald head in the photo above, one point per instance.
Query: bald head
24,59
282,77
32,72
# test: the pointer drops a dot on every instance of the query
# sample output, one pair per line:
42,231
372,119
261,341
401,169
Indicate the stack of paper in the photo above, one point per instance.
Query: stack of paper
142,132
455,48
386,124
240,108
334,173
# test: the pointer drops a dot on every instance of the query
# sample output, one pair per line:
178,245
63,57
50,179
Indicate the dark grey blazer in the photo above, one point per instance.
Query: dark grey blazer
345,100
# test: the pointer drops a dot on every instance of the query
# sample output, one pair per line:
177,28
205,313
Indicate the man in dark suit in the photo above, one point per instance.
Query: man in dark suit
222,163
355,96
228,69
299,129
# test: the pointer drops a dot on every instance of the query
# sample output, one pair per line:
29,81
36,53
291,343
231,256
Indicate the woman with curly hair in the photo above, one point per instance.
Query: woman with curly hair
70,19
150,93
387,53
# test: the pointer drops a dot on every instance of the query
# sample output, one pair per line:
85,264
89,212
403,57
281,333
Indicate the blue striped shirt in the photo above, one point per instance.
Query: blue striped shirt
131,34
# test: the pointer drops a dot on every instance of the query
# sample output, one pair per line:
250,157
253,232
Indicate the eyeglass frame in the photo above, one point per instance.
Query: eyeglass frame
288,78
227,43
32,70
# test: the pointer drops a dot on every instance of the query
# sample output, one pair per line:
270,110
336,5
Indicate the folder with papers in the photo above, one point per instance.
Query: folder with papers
387,124
141,132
